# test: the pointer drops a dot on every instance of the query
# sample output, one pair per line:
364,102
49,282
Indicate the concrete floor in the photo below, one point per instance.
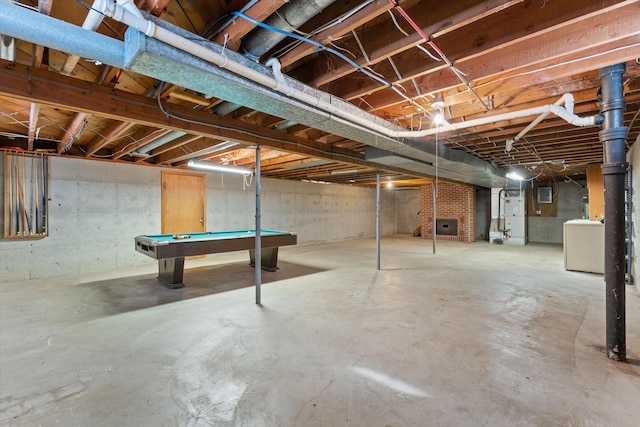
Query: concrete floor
476,335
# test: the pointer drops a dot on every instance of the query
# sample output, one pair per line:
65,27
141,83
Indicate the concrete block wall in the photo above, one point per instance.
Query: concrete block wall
453,201
407,208
96,209
570,206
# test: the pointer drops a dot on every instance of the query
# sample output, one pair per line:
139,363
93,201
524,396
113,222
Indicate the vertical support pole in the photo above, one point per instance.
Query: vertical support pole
45,193
378,219
469,216
8,179
614,168
258,257
433,202
628,191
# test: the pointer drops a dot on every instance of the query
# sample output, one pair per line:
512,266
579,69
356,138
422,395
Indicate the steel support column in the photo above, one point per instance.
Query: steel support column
378,219
433,203
258,258
614,168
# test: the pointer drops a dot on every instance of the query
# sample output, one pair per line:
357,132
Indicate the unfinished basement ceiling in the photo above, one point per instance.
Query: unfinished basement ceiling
483,59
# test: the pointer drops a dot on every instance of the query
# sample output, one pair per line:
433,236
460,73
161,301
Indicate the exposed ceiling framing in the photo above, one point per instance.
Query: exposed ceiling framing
483,58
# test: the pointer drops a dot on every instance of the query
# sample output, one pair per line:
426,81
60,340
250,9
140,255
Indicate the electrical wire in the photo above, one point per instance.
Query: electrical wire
322,47
424,49
429,40
535,152
75,137
343,17
246,132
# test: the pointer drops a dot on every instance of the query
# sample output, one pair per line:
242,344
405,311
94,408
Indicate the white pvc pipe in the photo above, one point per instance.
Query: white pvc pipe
7,48
566,100
91,22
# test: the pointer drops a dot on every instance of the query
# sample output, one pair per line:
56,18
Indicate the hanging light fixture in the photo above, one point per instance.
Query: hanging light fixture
219,168
438,104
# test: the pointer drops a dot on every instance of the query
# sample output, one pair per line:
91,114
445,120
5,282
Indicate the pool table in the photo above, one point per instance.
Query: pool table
171,249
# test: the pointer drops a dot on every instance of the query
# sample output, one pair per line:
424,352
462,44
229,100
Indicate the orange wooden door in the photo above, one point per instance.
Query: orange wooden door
183,202
595,188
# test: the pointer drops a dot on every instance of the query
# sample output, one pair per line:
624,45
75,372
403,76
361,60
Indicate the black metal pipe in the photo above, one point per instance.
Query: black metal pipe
613,136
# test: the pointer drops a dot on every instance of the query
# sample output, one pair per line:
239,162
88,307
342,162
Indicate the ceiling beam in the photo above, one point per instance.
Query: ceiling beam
72,129
178,142
437,29
28,83
140,139
34,114
101,140
364,15
232,34
588,42
44,7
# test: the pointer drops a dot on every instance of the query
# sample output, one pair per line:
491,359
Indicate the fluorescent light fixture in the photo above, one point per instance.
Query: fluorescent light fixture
303,165
219,168
343,172
514,176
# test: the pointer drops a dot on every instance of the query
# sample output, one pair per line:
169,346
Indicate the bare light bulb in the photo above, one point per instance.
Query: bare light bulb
439,118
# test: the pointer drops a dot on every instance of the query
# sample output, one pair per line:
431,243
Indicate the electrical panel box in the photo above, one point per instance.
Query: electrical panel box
545,195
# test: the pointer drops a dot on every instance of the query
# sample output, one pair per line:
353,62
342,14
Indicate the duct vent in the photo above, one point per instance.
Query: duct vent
447,227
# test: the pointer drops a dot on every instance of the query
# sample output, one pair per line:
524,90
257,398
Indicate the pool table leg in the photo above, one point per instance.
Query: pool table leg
170,272
268,258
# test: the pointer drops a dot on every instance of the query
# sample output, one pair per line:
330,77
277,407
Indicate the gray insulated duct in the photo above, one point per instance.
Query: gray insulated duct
288,18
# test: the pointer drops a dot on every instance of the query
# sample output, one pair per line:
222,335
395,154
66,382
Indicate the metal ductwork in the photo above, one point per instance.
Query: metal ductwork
176,56
288,18
34,27
144,151
154,58
225,108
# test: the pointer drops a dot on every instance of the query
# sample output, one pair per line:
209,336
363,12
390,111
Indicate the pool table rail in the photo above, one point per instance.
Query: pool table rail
171,253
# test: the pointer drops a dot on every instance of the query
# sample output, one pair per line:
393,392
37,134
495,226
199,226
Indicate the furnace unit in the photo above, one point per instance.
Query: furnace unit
508,216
